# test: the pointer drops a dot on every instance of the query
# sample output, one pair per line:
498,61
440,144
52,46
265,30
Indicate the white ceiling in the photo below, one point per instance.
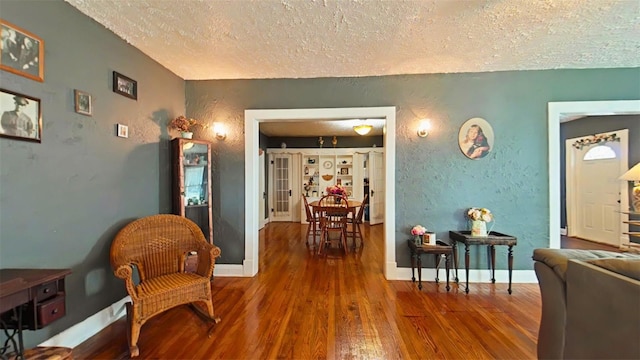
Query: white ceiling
256,39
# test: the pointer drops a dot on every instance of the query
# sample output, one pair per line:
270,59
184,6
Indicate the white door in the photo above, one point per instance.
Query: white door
262,192
280,169
597,190
376,188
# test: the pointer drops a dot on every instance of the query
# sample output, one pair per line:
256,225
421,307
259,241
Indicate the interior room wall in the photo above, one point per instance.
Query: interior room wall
312,142
63,200
592,125
435,182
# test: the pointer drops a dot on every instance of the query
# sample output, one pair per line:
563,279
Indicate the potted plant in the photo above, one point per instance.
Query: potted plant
184,125
479,218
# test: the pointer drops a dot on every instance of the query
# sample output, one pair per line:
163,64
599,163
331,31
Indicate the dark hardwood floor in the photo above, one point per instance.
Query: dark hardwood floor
577,243
301,306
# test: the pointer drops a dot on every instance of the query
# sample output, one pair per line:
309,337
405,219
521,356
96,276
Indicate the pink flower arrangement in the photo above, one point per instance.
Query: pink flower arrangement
418,230
337,190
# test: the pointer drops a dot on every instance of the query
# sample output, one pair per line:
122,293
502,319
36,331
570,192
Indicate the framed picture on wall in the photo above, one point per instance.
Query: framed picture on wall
82,102
125,86
476,138
21,116
22,52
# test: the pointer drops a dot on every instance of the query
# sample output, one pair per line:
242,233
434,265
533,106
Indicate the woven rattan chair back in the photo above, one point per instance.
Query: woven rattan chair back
158,247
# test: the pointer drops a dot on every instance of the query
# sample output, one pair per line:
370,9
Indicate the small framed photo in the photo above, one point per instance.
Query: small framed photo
22,52
21,116
344,171
125,86
82,102
476,138
123,131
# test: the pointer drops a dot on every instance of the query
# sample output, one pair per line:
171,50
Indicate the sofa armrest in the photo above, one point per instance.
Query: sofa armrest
603,313
552,321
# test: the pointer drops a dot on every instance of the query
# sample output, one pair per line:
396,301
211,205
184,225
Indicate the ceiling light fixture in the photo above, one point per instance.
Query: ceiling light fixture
362,129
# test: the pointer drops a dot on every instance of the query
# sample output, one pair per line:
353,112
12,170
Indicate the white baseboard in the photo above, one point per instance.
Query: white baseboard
92,325
563,231
476,276
228,270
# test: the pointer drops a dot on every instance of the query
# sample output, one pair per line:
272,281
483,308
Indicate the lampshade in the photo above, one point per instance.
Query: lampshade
362,129
632,175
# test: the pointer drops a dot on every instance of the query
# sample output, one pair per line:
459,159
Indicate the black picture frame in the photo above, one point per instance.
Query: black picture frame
21,117
125,86
22,52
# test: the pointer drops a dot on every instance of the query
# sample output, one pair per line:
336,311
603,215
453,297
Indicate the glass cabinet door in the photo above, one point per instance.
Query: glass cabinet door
192,182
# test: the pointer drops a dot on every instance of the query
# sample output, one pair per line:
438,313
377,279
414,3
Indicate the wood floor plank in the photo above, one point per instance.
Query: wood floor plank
304,306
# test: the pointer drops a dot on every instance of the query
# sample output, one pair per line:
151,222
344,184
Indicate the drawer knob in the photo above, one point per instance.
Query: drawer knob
46,290
54,311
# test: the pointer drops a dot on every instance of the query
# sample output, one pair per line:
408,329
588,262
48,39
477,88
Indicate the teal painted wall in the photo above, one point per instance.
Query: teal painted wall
435,182
62,201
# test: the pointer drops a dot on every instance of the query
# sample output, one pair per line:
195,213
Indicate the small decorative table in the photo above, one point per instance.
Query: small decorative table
441,248
494,238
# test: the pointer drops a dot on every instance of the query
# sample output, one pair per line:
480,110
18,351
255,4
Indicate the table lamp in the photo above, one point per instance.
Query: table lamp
634,175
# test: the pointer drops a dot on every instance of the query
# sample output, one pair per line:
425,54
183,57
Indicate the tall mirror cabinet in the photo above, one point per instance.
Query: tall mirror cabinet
192,182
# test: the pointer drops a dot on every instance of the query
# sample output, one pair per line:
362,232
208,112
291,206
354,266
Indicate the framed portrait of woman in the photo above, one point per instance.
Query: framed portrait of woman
476,138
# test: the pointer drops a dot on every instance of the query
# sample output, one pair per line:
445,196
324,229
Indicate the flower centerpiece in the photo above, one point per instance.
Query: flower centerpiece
336,190
184,125
418,231
479,218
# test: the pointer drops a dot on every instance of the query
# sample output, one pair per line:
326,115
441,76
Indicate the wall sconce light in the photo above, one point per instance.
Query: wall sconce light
424,127
219,131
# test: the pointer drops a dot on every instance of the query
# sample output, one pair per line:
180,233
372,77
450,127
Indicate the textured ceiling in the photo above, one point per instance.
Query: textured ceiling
243,39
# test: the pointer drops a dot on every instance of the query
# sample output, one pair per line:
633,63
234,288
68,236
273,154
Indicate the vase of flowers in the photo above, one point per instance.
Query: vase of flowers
418,231
478,218
336,190
185,126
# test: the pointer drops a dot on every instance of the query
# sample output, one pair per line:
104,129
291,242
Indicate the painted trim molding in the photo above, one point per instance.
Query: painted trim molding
475,276
80,332
565,111
253,118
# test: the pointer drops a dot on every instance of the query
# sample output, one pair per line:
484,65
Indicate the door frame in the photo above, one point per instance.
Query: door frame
252,120
571,178
558,112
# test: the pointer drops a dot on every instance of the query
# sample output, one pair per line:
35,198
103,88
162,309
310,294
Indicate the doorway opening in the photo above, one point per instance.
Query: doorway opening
253,118
558,112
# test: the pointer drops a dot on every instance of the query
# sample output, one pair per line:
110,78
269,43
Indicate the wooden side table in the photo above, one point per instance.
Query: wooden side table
441,248
493,239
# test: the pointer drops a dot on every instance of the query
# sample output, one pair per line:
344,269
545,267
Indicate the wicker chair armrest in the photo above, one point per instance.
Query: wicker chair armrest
125,272
207,254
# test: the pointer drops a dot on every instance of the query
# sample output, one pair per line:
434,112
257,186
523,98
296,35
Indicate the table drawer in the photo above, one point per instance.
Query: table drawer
46,291
51,310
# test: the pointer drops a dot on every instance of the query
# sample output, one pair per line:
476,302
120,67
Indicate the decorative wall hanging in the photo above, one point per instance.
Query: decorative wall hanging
22,52
82,102
21,116
595,139
475,138
125,86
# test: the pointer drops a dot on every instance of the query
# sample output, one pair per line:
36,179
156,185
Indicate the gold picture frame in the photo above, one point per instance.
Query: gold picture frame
22,52
82,102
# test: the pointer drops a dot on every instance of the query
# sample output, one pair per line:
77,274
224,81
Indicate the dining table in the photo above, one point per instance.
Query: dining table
352,207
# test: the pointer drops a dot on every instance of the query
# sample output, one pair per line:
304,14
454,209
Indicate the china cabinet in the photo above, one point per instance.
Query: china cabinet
191,187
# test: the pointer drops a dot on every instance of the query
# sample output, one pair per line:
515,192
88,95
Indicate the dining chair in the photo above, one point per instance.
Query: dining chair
312,219
356,221
333,220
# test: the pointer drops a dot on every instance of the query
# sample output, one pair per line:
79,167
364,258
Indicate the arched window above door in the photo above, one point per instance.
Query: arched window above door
600,152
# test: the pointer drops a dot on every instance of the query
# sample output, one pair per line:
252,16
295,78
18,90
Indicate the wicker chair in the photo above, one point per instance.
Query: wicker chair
158,247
